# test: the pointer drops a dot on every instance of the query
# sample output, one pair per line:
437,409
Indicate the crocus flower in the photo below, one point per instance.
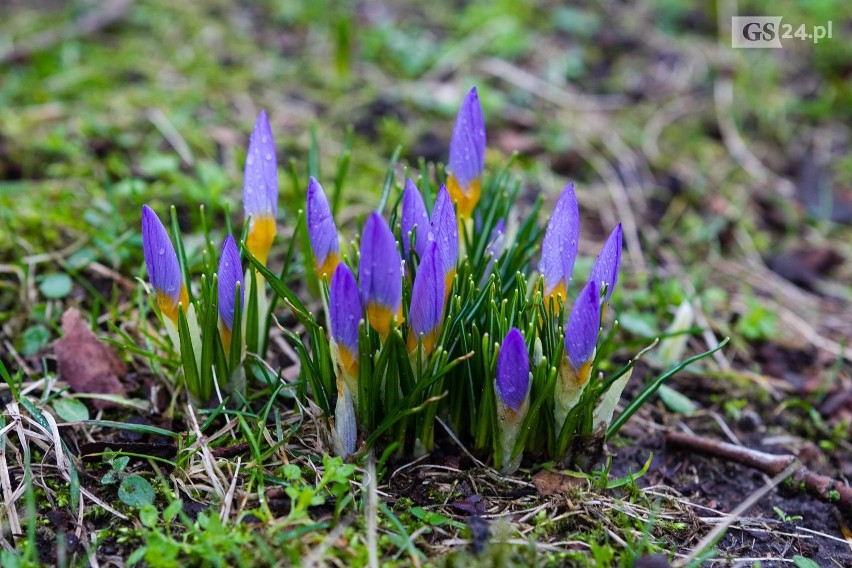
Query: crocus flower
467,155
380,275
605,270
559,247
344,315
581,332
230,274
581,336
321,230
163,266
513,371
512,389
427,301
414,215
445,232
260,189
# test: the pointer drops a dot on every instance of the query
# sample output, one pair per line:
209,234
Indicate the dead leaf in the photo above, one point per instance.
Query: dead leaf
551,483
85,363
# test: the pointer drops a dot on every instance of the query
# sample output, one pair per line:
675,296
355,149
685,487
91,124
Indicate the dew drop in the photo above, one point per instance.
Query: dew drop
250,160
161,251
268,157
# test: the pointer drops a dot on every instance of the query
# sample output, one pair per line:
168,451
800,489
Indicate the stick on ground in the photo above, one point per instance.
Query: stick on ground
818,486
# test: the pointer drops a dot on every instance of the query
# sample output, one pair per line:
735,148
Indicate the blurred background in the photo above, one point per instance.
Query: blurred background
730,169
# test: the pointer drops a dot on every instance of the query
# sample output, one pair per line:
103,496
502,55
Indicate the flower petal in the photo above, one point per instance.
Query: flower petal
260,182
559,247
581,332
513,370
162,264
344,312
380,273
467,146
427,300
444,231
414,215
467,154
605,270
230,273
321,230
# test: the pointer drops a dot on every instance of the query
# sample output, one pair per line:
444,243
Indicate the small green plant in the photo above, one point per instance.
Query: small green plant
785,518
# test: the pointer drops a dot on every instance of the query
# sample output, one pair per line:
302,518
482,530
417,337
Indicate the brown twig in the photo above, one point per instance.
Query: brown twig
818,486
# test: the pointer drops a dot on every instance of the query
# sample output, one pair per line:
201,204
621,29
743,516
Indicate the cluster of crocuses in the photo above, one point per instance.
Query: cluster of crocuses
214,358
414,288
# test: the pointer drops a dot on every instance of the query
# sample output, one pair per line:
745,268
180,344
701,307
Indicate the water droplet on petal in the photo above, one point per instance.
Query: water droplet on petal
161,251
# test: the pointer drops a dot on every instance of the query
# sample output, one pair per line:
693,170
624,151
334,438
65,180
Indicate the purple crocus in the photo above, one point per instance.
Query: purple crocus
414,215
605,270
513,371
380,275
230,274
260,189
163,266
444,231
467,155
426,312
345,315
321,230
581,331
559,247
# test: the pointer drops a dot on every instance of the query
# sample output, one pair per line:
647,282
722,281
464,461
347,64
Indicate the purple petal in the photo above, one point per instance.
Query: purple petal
605,270
445,230
414,215
581,333
321,228
344,308
380,270
160,258
467,146
230,274
513,370
559,247
260,182
427,295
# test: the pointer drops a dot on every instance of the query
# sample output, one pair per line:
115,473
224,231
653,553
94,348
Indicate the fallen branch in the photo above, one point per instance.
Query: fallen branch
818,486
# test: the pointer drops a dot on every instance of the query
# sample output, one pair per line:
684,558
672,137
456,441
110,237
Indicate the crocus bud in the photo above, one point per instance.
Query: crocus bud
230,275
344,315
322,231
512,390
605,270
426,312
260,189
559,247
445,232
581,336
380,275
163,266
467,155
414,215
